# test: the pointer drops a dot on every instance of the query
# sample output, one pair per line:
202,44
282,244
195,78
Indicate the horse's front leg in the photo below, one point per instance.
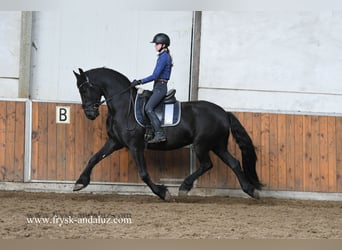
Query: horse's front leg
109,147
160,190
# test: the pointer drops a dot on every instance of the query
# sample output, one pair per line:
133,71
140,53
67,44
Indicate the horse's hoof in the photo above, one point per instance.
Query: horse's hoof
167,196
182,193
78,187
256,194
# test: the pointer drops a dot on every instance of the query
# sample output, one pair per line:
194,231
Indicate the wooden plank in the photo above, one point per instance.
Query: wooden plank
264,173
338,155
273,183
166,169
124,165
298,153
315,154
35,141
52,142
97,143
43,141
332,153
184,163
323,163
3,112
106,165
61,139
79,141
282,152
87,147
159,169
132,170
113,161
173,163
19,141
307,132
8,171
290,153
70,147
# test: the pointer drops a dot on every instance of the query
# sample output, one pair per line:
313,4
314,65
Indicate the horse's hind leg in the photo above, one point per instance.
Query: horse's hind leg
109,147
234,164
205,165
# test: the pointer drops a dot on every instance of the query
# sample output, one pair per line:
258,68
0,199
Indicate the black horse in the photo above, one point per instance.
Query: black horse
203,124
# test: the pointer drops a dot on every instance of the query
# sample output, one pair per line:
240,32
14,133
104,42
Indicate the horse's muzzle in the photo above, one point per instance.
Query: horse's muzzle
91,113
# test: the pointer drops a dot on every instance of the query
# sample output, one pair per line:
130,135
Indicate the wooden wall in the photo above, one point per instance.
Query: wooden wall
12,140
61,151
295,153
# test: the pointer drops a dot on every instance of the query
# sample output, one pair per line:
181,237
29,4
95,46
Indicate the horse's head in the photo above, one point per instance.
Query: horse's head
90,95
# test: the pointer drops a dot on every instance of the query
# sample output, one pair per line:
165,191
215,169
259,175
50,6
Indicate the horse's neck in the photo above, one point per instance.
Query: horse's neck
119,105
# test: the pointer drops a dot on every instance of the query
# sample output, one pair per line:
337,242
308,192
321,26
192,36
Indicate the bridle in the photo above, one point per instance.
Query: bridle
96,105
93,106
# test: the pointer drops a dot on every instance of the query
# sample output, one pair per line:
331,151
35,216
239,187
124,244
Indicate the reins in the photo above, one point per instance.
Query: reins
119,93
108,99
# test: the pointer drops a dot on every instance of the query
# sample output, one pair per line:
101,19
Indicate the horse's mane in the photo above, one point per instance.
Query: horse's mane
108,73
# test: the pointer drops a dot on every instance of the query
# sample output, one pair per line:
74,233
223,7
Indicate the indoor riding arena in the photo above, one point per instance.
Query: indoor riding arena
278,72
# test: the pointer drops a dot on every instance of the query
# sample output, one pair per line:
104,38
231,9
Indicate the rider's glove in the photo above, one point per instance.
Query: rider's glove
135,83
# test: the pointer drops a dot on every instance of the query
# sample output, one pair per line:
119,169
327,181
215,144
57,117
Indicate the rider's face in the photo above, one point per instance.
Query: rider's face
158,46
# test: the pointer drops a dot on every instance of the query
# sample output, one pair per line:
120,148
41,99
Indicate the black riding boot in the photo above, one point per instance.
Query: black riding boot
159,135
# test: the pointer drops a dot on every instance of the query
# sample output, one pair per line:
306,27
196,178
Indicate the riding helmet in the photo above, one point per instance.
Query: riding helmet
161,38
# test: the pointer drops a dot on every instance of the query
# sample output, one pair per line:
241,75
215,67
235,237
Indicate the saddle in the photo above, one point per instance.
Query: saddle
168,110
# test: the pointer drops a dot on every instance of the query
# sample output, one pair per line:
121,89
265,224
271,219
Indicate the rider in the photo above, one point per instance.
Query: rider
160,76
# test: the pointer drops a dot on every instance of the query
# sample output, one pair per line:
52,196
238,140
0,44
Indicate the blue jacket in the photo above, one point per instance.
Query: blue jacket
162,69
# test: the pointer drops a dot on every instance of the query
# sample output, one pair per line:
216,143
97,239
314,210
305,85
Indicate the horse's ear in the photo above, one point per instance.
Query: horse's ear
77,75
81,71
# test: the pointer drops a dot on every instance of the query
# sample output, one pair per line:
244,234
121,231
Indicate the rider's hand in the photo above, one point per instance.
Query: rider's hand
135,83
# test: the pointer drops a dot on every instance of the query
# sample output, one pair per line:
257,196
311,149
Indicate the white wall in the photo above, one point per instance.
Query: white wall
66,40
272,61
10,24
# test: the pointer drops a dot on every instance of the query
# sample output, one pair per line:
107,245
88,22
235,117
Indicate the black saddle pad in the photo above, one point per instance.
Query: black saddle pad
169,114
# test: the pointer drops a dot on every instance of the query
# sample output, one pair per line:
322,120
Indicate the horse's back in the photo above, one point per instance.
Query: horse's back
204,109
204,115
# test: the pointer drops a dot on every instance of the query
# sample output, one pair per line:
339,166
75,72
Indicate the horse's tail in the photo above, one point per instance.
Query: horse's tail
246,146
